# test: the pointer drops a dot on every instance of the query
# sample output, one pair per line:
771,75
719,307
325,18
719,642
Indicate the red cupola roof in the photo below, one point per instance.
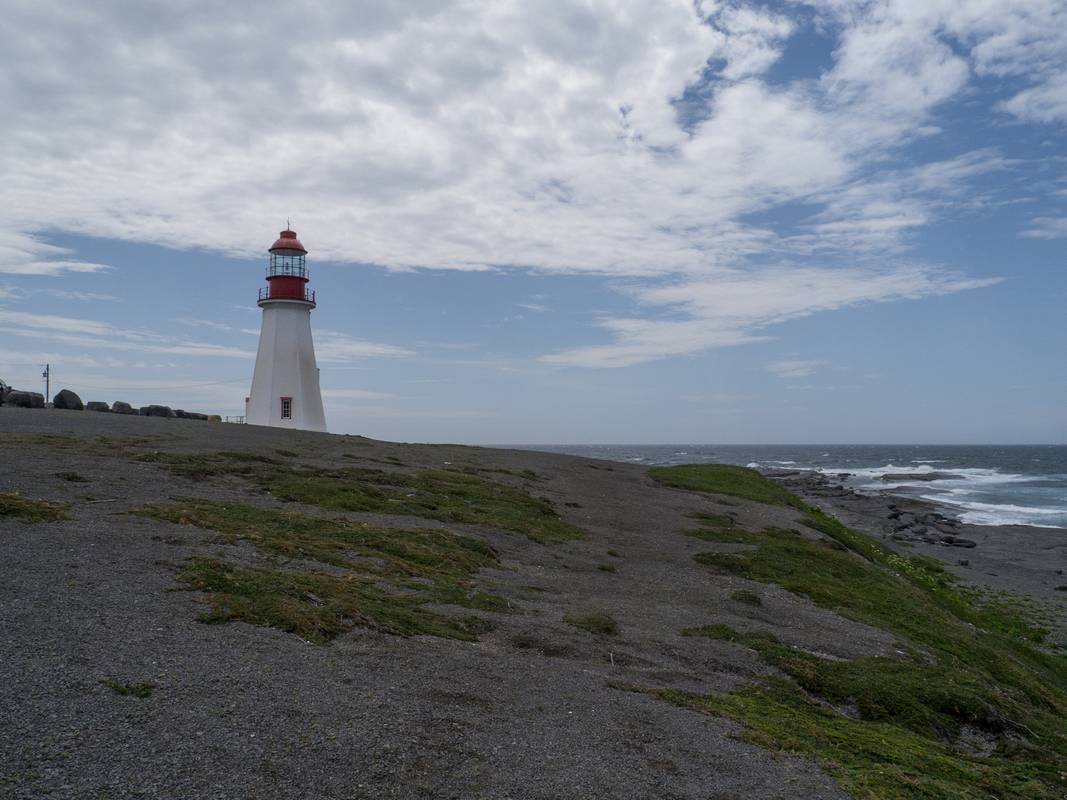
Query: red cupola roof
287,241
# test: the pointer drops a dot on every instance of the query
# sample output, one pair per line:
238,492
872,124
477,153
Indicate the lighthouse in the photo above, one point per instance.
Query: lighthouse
285,385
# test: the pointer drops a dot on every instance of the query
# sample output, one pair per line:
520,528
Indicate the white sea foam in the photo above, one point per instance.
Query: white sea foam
1002,513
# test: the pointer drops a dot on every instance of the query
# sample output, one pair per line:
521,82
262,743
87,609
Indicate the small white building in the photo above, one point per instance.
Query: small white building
285,386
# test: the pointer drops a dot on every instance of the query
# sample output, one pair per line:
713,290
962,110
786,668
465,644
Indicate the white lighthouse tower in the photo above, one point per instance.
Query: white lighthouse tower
285,386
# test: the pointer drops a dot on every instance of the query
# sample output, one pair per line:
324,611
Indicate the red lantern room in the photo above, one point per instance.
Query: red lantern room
287,276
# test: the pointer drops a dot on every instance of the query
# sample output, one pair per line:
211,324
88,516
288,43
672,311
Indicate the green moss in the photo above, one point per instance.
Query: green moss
435,494
73,477
445,495
18,507
746,597
141,690
388,573
964,665
314,605
601,624
724,479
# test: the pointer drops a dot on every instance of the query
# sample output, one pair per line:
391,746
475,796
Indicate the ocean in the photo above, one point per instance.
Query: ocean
981,484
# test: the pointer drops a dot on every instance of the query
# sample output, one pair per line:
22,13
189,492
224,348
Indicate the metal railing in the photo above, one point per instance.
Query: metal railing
238,420
307,296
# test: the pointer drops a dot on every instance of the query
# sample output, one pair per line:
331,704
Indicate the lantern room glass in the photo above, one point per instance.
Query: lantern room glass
288,264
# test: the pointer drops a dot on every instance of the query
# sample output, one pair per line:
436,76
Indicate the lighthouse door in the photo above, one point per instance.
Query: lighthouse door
287,408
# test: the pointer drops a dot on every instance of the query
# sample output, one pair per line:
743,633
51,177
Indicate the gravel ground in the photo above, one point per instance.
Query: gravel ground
239,711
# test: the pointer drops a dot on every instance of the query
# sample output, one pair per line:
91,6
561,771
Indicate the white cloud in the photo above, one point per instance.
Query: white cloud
24,254
1047,228
734,307
533,135
338,347
356,394
794,368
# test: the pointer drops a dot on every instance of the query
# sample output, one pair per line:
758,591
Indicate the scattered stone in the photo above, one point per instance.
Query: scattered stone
24,399
963,562
96,405
68,400
119,407
156,411
964,543
1061,588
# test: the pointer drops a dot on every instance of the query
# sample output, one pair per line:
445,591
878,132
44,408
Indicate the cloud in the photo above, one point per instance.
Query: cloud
1047,228
356,394
794,369
23,254
95,334
647,141
734,307
337,347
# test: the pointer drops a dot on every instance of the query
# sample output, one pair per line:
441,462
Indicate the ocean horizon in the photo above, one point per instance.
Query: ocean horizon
981,484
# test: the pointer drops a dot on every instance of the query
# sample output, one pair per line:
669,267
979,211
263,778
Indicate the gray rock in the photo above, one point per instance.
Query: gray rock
924,477
96,405
180,413
68,400
196,415
21,399
156,411
964,543
119,407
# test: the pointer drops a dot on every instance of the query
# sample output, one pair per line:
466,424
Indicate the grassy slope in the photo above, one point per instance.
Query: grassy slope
969,674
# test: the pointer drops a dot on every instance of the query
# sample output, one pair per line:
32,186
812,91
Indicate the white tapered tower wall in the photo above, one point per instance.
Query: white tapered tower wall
285,367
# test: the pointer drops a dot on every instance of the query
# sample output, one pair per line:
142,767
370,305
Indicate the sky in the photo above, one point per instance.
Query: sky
551,222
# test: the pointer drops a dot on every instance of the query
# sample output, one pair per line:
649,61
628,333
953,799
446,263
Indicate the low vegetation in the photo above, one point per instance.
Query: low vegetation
383,577
746,597
73,477
444,495
29,510
725,479
141,690
601,624
973,706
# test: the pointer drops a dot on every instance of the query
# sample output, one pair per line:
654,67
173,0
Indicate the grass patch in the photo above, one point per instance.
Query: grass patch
387,575
747,597
444,495
73,477
607,568
141,690
435,494
968,666
600,624
18,507
724,479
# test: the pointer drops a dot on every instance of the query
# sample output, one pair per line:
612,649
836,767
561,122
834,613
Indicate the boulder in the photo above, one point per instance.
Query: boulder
21,399
963,543
96,405
156,411
68,400
180,413
119,407
196,415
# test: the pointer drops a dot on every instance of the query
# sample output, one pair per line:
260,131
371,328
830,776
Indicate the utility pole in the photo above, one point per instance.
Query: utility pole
47,375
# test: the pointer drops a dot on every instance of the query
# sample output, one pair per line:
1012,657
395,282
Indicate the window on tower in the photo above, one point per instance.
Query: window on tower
287,408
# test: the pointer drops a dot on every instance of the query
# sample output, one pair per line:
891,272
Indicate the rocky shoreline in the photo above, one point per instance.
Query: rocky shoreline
1023,560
